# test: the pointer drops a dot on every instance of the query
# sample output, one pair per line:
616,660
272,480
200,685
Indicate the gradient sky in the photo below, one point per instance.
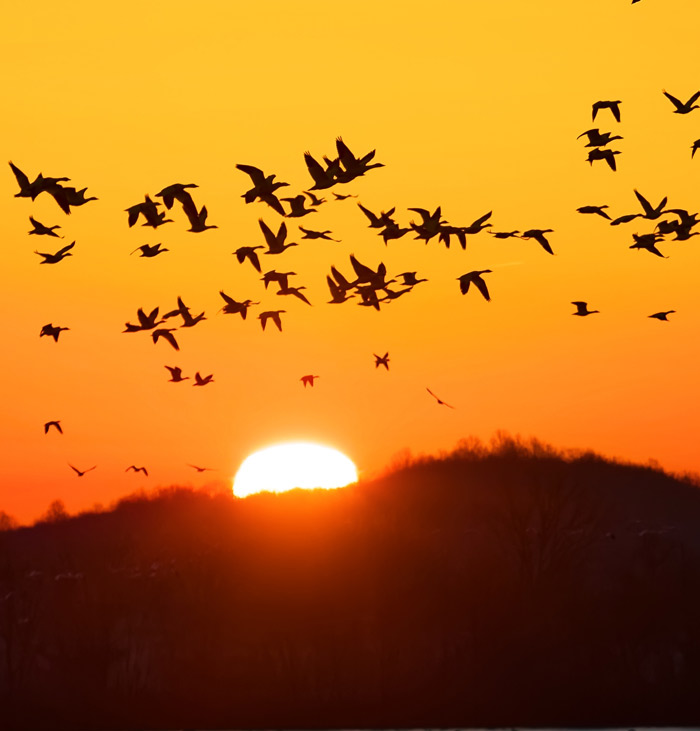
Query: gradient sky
473,106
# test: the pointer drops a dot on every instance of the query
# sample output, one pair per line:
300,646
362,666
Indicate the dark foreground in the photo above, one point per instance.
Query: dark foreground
502,587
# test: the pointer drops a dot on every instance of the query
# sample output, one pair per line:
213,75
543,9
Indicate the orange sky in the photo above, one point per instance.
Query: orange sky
473,106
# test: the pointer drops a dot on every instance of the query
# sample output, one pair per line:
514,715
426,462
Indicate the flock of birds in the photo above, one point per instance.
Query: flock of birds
367,286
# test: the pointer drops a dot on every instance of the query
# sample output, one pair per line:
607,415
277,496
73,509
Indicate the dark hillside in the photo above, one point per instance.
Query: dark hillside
510,585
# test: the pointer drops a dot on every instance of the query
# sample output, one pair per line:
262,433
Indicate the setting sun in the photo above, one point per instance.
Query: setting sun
298,464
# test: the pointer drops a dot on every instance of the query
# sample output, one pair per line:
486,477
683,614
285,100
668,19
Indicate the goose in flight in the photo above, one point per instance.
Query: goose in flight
582,309
341,281
505,234
236,308
311,234
650,212
430,225
248,252
478,225
40,230
176,192
80,473
55,424
683,107
275,244
475,278
343,197
33,189
146,322
353,167
263,188
58,256
539,235
613,106
201,469
410,279
662,315
369,297
392,232
167,334
52,331
365,275
297,206
184,311
648,242
315,200
338,293
149,251
176,374
273,315
296,291
439,400
149,210
137,469
197,219
382,360
378,221
200,380
308,380
597,210
608,155
596,138
694,148
322,177
282,278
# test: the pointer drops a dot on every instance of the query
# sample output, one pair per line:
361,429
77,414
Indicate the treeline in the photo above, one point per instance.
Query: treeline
493,586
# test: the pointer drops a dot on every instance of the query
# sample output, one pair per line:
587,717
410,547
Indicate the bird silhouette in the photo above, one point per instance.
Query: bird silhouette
315,200
378,221
648,242
176,192
694,148
662,315
58,256
381,360
596,138
201,469
343,197
650,212
264,187
80,473
137,469
429,226
232,307
598,210
248,252
294,291
282,278
582,309
40,184
308,380
184,312
504,234
607,155
475,278
176,374
439,400
275,243
683,107
311,234
298,206
613,106
410,279
149,251
40,230
539,235
197,219
200,380
146,321
149,210
353,167
273,315
167,334
392,231
52,331
55,424
323,177
338,293
365,275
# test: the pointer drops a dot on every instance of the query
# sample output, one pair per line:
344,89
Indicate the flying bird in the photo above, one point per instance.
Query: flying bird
683,107
52,331
648,242
40,230
662,315
607,155
439,400
381,360
694,148
55,424
353,167
315,200
232,307
613,106
504,234
378,221
410,279
80,473
308,380
137,469
197,219
322,177
582,309
650,212
338,293
539,235
311,234
248,252
149,210
58,256
341,197
200,380
475,278
176,192
146,321
148,251
201,469
167,334
596,138
295,291
275,243
184,312
273,315
598,210
297,205
264,187
176,374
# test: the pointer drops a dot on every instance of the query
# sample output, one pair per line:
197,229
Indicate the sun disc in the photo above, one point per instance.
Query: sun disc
287,466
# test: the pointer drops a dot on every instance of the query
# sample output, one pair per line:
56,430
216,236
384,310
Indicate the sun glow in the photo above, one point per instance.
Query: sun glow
297,464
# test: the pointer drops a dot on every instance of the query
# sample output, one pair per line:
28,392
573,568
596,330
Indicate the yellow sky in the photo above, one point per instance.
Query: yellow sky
473,106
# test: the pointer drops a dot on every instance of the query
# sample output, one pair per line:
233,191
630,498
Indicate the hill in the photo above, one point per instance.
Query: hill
510,585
